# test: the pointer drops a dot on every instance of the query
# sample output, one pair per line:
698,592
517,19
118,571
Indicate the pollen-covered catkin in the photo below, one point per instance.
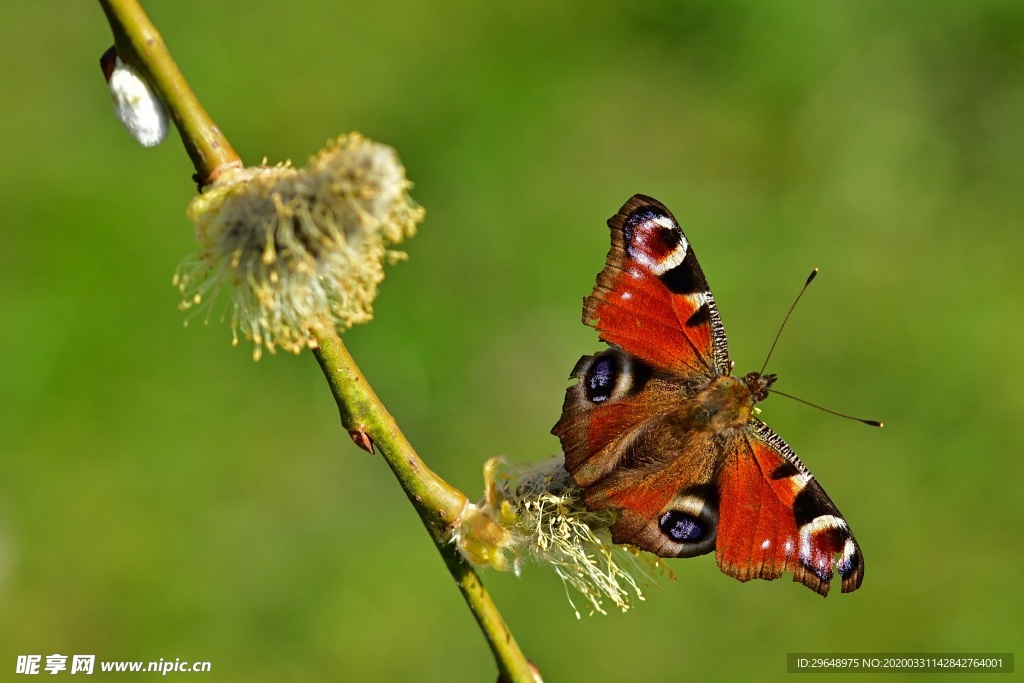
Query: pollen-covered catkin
535,513
297,250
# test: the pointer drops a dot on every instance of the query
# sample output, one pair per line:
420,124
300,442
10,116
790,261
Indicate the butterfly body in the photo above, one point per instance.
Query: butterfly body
659,430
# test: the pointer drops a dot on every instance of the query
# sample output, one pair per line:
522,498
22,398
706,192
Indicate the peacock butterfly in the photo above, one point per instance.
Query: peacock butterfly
658,429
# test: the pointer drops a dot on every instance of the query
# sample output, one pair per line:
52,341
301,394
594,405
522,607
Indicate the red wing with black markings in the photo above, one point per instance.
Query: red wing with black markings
775,517
652,299
657,428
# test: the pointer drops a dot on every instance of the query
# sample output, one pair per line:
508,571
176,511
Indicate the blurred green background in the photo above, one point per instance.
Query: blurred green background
163,496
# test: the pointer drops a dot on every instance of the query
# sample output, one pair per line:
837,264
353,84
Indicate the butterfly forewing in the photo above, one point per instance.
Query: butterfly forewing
775,517
652,298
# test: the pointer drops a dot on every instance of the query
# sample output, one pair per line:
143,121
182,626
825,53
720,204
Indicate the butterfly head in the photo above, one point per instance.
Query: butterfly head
759,384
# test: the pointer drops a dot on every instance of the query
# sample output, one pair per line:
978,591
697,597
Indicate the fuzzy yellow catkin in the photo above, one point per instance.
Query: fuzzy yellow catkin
534,513
293,251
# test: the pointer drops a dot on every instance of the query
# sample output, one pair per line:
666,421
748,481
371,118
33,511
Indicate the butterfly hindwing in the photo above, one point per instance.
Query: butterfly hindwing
623,444
652,298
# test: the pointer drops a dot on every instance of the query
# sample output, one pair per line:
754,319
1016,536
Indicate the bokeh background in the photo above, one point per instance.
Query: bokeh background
162,496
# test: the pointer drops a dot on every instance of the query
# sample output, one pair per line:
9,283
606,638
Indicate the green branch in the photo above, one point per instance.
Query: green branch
436,501
139,43
362,414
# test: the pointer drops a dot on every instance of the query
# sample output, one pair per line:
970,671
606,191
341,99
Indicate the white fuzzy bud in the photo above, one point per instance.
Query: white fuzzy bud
135,103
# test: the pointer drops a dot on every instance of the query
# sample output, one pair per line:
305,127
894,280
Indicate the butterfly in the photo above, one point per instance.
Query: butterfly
658,428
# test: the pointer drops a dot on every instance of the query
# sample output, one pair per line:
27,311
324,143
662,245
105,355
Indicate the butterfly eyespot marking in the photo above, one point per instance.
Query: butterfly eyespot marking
599,382
682,527
655,240
820,540
689,524
611,375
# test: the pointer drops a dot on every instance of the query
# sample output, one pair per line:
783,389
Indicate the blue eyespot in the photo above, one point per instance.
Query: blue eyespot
600,379
682,527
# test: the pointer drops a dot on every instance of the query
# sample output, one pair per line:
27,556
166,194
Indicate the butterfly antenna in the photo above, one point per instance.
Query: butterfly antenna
810,277
873,423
